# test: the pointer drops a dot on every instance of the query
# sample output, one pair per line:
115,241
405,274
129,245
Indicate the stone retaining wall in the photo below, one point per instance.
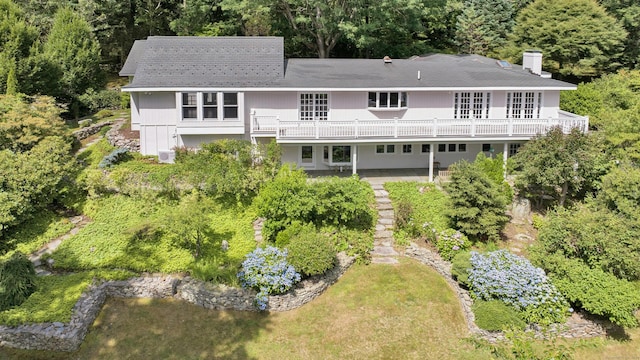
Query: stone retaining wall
578,326
85,132
59,336
116,139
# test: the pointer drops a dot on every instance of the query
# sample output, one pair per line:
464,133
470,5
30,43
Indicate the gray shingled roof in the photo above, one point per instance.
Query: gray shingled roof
258,62
172,61
137,50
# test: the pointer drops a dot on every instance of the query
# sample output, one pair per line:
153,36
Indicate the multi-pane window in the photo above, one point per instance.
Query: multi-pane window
407,149
189,105
341,154
387,100
307,154
471,105
210,106
385,149
513,149
425,148
230,105
524,105
452,147
486,147
314,106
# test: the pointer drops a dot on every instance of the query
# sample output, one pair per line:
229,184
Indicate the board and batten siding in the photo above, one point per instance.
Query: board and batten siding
158,117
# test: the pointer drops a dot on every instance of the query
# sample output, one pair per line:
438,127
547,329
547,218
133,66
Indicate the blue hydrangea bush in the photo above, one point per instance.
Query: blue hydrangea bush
449,242
501,275
113,158
267,271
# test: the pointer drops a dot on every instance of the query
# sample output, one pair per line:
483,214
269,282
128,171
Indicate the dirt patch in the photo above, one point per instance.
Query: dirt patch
518,237
127,133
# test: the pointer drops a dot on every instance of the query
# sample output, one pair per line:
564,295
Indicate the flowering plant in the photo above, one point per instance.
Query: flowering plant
267,271
515,281
449,242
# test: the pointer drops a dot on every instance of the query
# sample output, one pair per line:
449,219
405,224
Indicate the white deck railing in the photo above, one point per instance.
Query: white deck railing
396,128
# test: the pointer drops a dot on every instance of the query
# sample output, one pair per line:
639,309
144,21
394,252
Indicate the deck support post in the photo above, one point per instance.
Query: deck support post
505,157
354,160
431,158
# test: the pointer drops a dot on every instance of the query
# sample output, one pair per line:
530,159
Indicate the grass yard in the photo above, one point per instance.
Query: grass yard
375,311
34,233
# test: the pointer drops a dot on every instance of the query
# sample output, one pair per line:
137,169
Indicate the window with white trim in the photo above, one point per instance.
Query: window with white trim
513,149
209,106
314,106
407,149
306,154
425,148
452,148
524,105
385,149
337,154
190,106
387,100
471,105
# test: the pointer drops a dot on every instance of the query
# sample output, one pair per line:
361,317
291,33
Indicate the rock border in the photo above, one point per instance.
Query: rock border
68,337
586,328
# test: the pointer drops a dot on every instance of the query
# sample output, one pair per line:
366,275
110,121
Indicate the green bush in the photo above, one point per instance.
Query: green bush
116,156
311,253
460,265
17,281
450,242
296,227
495,315
104,113
494,169
104,130
104,99
594,290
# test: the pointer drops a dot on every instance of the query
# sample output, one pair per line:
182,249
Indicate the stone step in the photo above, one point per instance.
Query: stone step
383,200
384,206
383,234
381,227
386,214
377,187
381,193
384,251
386,221
384,260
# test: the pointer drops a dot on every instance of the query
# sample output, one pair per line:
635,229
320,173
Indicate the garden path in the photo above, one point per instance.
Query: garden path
383,251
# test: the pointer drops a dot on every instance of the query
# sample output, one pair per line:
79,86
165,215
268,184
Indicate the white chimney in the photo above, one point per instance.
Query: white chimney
532,60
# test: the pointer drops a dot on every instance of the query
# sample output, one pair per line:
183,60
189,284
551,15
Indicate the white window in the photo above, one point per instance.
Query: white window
385,149
209,106
230,105
426,148
452,147
462,147
471,105
513,149
306,155
337,154
407,149
190,106
524,105
387,100
314,106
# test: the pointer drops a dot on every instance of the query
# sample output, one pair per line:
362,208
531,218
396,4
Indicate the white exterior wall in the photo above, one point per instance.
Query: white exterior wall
283,104
158,118
550,104
135,111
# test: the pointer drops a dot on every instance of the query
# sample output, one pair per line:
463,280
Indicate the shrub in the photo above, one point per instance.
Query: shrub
514,280
494,169
267,271
104,130
103,99
104,113
311,253
594,290
460,265
450,242
116,156
495,315
477,203
295,228
17,281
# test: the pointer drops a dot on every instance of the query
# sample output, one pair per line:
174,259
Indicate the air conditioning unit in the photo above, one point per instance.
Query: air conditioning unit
166,156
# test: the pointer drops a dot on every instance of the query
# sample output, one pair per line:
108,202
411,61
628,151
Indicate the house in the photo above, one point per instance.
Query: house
423,112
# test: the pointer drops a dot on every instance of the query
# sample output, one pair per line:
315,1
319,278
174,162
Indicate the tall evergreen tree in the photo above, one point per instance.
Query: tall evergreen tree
483,26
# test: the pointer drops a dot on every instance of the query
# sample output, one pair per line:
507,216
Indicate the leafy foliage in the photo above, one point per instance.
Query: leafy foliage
229,170
512,279
477,204
596,235
594,290
356,243
450,242
310,252
494,315
420,209
267,271
17,281
562,167
24,121
494,169
578,37
483,26
460,266
343,203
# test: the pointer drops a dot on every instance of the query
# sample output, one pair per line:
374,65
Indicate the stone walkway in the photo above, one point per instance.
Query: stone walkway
383,251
